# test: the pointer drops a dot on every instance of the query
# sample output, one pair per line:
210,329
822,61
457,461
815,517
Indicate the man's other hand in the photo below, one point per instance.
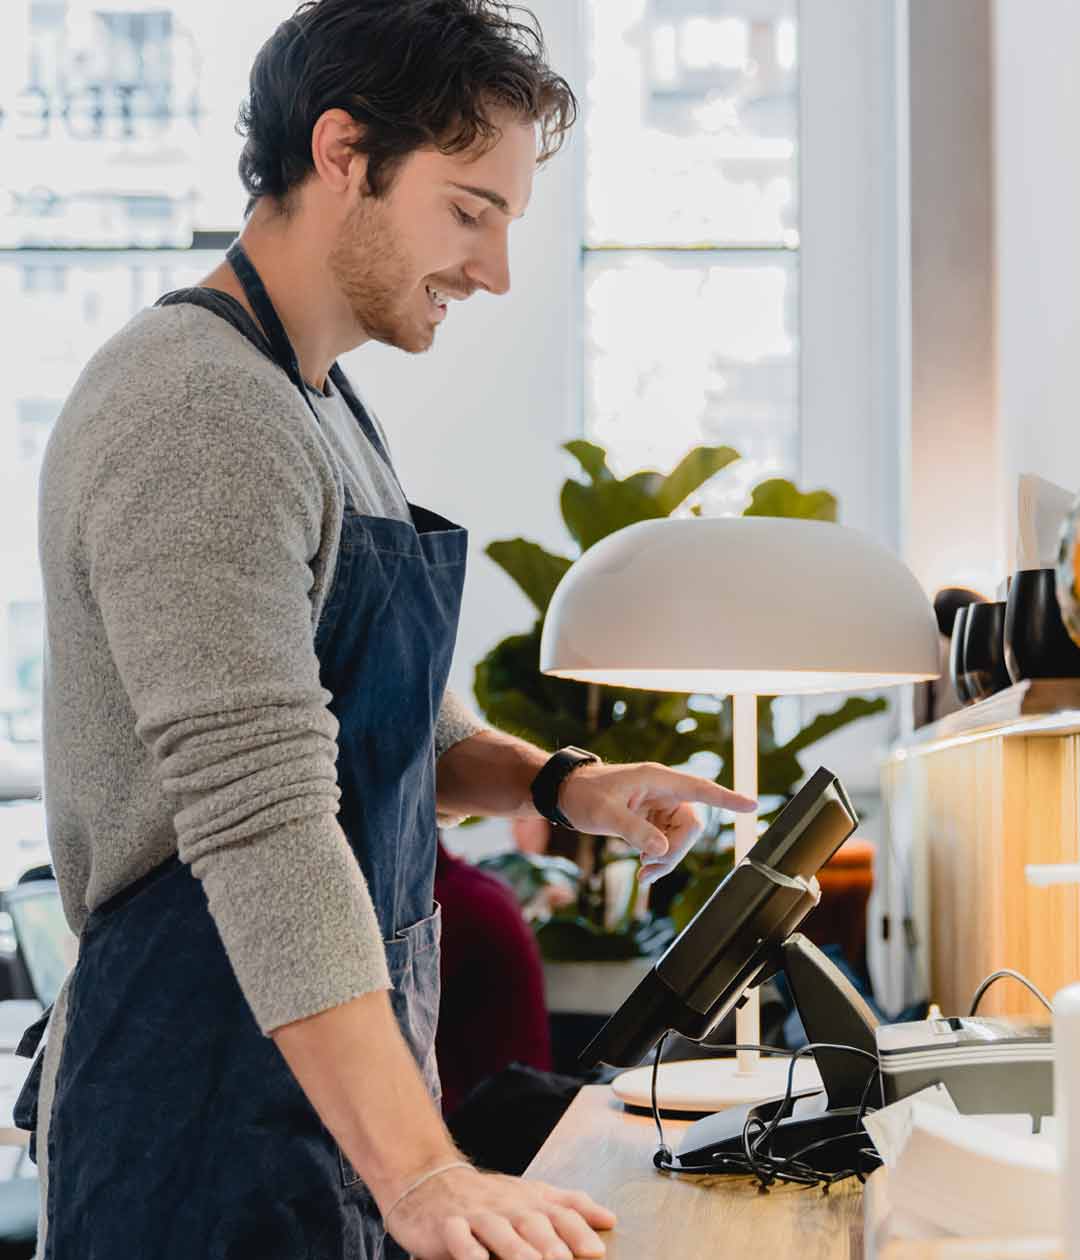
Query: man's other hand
465,1214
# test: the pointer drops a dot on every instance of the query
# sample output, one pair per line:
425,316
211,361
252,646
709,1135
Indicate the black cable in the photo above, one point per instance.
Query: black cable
753,1161
768,1169
774,1124
822,1143
663,1151
861,1114
1012,975
663,1156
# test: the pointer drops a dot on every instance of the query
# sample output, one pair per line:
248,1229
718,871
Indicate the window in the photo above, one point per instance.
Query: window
117,123
44,278
24,639
34,420
691,233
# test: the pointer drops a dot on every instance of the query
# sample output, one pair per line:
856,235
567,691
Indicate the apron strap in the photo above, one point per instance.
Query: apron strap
284,354
31,1038
257,296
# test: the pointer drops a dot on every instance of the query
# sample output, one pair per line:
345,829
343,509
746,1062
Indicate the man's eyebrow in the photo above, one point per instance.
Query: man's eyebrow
488,194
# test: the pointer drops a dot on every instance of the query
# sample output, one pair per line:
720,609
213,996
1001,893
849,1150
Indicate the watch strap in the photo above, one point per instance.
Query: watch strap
546,785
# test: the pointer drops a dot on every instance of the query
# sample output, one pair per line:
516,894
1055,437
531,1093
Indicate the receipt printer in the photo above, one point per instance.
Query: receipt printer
998,1065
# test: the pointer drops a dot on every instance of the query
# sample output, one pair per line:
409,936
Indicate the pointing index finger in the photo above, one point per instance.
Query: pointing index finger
704,792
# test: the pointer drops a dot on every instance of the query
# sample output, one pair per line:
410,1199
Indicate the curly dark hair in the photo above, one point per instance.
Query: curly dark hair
414,73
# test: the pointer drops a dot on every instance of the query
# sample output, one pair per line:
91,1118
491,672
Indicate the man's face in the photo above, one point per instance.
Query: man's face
436,235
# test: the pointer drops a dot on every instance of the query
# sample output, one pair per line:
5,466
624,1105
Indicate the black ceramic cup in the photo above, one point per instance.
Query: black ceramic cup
957,676
1037,645
984,650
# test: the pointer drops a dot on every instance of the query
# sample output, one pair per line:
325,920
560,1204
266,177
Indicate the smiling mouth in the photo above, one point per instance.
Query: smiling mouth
437,298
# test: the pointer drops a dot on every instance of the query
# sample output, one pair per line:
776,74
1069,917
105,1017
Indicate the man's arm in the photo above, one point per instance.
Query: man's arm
356,1069
196,508
648,805
488,773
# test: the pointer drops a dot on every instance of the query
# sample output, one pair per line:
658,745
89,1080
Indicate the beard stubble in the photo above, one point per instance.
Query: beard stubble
372,271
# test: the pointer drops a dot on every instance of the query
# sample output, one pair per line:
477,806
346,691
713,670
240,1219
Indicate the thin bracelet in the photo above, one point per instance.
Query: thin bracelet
457,1163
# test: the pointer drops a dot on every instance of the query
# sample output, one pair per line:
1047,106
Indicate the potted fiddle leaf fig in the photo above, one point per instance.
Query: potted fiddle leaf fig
626,724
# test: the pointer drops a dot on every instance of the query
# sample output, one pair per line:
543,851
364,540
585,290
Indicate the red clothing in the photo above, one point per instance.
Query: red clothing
492,1011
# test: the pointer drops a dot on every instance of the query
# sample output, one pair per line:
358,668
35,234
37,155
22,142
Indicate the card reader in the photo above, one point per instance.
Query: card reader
988,1065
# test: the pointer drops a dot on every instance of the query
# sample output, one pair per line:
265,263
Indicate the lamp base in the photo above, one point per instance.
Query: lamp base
705,1085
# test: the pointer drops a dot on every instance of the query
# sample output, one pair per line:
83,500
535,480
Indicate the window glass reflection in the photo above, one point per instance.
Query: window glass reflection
682,350
692,122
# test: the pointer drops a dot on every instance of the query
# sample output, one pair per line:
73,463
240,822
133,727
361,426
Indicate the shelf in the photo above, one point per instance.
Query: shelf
1042,706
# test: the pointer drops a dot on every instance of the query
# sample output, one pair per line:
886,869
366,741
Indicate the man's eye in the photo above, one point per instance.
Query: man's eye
467,220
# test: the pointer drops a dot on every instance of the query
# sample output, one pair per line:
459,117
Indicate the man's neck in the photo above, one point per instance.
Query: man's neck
297,277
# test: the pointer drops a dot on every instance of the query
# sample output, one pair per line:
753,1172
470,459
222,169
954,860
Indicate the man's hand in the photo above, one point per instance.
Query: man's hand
648,805
464,1214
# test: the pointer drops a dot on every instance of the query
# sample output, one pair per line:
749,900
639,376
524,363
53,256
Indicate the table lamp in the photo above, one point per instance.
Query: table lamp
741,606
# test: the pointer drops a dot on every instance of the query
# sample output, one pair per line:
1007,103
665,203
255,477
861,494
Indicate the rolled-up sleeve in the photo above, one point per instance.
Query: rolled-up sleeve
456,721
200,536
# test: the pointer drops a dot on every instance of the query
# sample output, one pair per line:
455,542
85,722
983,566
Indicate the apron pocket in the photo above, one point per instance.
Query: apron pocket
412,957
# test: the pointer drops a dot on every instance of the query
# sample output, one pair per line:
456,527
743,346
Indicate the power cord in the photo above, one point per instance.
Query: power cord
1012,975
755,1159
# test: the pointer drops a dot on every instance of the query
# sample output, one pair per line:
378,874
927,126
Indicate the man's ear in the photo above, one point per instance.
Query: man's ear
337,163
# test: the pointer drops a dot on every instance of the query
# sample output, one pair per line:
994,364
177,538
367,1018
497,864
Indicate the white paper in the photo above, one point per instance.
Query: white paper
1041,508
890,1126
968,1178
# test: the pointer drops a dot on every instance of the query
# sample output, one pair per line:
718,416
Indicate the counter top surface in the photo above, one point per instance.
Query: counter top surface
602,1149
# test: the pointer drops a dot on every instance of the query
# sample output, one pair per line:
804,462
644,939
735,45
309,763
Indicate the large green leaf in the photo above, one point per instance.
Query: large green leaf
592,512
778,497
778,772
516,713
691,474
512,692
646,741
535,570
592,458
852,710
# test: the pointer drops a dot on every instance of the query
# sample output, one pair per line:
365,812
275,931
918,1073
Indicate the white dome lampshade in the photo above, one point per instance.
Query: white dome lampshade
750,605
741,606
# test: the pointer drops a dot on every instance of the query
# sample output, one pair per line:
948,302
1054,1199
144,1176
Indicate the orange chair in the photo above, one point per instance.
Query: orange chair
840,918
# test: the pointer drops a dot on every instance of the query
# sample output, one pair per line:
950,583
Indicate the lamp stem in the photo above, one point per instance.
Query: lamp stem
744,721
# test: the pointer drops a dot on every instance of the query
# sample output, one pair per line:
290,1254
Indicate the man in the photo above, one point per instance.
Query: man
249,631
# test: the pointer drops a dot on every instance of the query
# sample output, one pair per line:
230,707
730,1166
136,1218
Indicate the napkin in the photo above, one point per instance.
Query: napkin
1041,508
975,1176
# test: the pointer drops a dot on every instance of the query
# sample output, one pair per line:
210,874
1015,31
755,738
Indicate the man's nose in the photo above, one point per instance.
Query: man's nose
490,268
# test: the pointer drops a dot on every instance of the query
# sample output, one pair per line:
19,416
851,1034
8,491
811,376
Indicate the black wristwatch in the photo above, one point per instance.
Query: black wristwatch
545,787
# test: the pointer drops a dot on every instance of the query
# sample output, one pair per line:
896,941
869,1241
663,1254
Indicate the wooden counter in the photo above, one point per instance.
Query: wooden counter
969,802
602,1149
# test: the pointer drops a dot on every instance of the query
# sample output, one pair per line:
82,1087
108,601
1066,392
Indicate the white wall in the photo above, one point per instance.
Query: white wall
1037,104
953,534
476,424
853,352
849,322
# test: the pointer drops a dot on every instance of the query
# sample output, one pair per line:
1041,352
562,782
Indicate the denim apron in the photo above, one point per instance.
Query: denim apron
177,1128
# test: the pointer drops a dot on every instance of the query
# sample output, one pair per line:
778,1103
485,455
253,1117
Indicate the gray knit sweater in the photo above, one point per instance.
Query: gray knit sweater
190,512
